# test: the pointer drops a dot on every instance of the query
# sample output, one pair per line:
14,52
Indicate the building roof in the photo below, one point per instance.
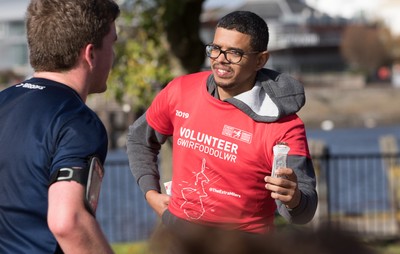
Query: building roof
267,9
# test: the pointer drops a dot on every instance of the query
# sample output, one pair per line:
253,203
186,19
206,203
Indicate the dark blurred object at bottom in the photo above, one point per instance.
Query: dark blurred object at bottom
194,239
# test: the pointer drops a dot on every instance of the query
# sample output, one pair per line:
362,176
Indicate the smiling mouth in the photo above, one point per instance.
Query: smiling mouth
222,72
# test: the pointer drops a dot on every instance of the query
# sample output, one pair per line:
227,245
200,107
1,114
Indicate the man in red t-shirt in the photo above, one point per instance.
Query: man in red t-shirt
225,124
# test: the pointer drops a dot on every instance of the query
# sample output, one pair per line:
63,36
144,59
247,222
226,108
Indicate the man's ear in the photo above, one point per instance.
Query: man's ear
89,55
262,59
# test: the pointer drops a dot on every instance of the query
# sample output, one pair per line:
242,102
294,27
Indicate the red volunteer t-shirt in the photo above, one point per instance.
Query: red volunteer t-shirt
220,155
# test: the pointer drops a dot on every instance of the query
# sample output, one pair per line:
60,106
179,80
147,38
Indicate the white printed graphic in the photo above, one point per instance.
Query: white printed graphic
236,133
193,206
31,86
181,114
197,192
208,144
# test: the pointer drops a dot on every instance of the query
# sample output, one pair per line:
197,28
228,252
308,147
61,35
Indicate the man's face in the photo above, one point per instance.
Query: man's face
234,78
104,60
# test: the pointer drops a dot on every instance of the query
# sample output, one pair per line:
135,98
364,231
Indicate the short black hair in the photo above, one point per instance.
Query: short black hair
248,23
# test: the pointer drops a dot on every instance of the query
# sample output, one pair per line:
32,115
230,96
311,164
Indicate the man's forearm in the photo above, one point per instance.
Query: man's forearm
86,237
143,146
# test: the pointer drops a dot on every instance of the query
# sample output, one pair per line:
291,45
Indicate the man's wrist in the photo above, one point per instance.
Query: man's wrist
295,201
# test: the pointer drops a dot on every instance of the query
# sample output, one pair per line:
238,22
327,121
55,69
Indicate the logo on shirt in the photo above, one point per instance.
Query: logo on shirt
236,133
31,86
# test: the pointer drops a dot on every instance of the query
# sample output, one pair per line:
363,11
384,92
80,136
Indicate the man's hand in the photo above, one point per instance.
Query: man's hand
284,187
159,202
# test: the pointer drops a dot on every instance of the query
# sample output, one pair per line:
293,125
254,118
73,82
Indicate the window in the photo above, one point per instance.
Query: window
2,30
16,28
19,54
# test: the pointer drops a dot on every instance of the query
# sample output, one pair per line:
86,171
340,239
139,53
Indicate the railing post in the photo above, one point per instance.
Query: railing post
389,148
320,153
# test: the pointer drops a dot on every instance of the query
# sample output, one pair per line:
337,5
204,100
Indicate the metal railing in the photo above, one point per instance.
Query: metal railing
358,192
123,213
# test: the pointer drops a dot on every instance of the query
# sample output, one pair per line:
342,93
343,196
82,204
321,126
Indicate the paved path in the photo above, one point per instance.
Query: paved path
358,107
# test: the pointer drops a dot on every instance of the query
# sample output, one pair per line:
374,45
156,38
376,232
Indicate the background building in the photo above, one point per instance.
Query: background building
13,45
302,39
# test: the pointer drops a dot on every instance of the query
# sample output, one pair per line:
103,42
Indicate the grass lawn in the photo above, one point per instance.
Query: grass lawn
388,248
142,248
131,248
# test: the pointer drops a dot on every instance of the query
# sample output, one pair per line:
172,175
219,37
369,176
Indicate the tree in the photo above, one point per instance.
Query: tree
158,39
366,48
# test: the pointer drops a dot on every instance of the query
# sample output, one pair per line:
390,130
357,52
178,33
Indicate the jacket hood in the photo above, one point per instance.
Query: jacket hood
274,96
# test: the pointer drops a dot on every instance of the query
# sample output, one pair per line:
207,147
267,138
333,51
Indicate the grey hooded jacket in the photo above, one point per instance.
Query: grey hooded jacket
274,95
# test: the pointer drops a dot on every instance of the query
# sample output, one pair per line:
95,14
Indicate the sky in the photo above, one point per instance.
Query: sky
344,8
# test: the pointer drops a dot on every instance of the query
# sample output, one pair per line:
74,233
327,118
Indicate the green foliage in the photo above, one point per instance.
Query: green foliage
139,73
8,77
157,40
141,65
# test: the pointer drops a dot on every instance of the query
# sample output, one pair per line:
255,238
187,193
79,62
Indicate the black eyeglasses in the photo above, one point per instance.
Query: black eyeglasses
231,55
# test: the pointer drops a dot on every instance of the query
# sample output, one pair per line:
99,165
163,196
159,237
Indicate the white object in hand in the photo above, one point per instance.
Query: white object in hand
168,187
280,154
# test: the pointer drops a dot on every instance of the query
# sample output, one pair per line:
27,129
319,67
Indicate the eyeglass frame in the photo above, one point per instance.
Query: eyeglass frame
239,52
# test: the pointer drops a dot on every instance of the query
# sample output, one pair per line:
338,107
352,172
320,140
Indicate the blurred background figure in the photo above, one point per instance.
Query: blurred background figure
206,240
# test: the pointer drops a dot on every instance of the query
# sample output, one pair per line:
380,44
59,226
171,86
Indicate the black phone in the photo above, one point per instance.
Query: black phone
96,173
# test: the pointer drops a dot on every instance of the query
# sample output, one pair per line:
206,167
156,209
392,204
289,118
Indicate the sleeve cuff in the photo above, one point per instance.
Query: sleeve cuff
300,207
149,182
